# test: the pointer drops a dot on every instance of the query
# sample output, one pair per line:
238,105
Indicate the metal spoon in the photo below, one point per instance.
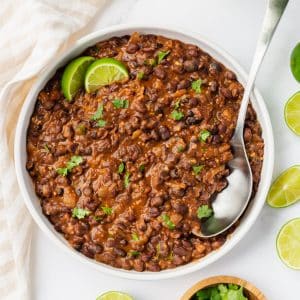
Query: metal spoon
229,205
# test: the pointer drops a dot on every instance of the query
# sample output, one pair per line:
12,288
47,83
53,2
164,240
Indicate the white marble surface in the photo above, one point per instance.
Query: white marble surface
233,24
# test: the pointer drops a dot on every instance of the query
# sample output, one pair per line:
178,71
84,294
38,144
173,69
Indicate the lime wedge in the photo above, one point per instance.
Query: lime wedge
288,243
292,113
285,190
295,62
112,295
73,76
104,71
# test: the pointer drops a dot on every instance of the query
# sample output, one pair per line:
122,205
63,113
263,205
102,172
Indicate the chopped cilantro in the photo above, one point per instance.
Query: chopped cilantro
204,211
62,171
99,113
127,179
107,210
196,86
167,222
161,55
177,115
97,218
197,169
177,104
140,75
142,168
73,162
80,213
120,103
121,168
101,123
204,135
135,237
135,253
221,292
46,147
150,62
180,149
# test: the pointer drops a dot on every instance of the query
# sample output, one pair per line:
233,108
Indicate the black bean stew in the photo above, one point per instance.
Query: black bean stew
128,190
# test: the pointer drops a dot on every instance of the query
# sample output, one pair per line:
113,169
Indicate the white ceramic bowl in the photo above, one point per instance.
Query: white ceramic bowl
26,184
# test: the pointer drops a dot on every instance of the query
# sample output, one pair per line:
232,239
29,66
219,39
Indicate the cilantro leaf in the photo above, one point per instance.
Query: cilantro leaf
180,149
127,179
73,162
46,147
161,55
80,213
204,135
196,86
107,210
62,171
197,169
135,253
177,104
204,212
120,103
121,168
142,168
150,62
177,115
101,123
99,113
167,222
140,75
135,237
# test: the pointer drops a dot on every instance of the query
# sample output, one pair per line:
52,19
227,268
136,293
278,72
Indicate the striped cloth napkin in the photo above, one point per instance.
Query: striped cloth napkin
32,33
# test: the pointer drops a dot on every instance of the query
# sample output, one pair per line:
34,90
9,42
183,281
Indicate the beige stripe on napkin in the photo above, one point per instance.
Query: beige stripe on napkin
32,33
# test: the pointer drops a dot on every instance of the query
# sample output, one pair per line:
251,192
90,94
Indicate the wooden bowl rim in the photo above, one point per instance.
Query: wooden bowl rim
224,279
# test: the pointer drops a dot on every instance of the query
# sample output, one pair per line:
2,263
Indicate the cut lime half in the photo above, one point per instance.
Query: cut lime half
113,295
292,113
285,190
73,76
104,71
288,244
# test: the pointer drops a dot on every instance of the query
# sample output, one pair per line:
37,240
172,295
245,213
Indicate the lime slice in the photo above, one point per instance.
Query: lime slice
285,190
295,62
288,243
104,71
292,113
73,76
112,295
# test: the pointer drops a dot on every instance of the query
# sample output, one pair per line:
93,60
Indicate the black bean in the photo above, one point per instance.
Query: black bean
164,132
154,212
192,121
193,102
132,48
119,252
183,84
190,65
180,251
160,72
157,201
230,75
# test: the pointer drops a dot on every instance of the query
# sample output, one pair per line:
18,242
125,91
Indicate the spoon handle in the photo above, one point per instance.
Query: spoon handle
274,12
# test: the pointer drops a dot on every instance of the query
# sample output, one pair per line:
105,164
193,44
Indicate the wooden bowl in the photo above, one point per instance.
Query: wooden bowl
250,290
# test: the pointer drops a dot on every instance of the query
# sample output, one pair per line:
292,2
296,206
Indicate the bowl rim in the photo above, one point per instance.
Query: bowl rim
174,32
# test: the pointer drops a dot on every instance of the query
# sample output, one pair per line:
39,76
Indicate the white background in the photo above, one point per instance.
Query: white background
234,25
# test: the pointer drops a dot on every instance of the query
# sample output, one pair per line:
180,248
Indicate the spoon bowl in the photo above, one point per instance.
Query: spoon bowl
230,204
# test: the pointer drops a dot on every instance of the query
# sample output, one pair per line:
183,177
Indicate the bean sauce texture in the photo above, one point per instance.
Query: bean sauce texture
126,173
